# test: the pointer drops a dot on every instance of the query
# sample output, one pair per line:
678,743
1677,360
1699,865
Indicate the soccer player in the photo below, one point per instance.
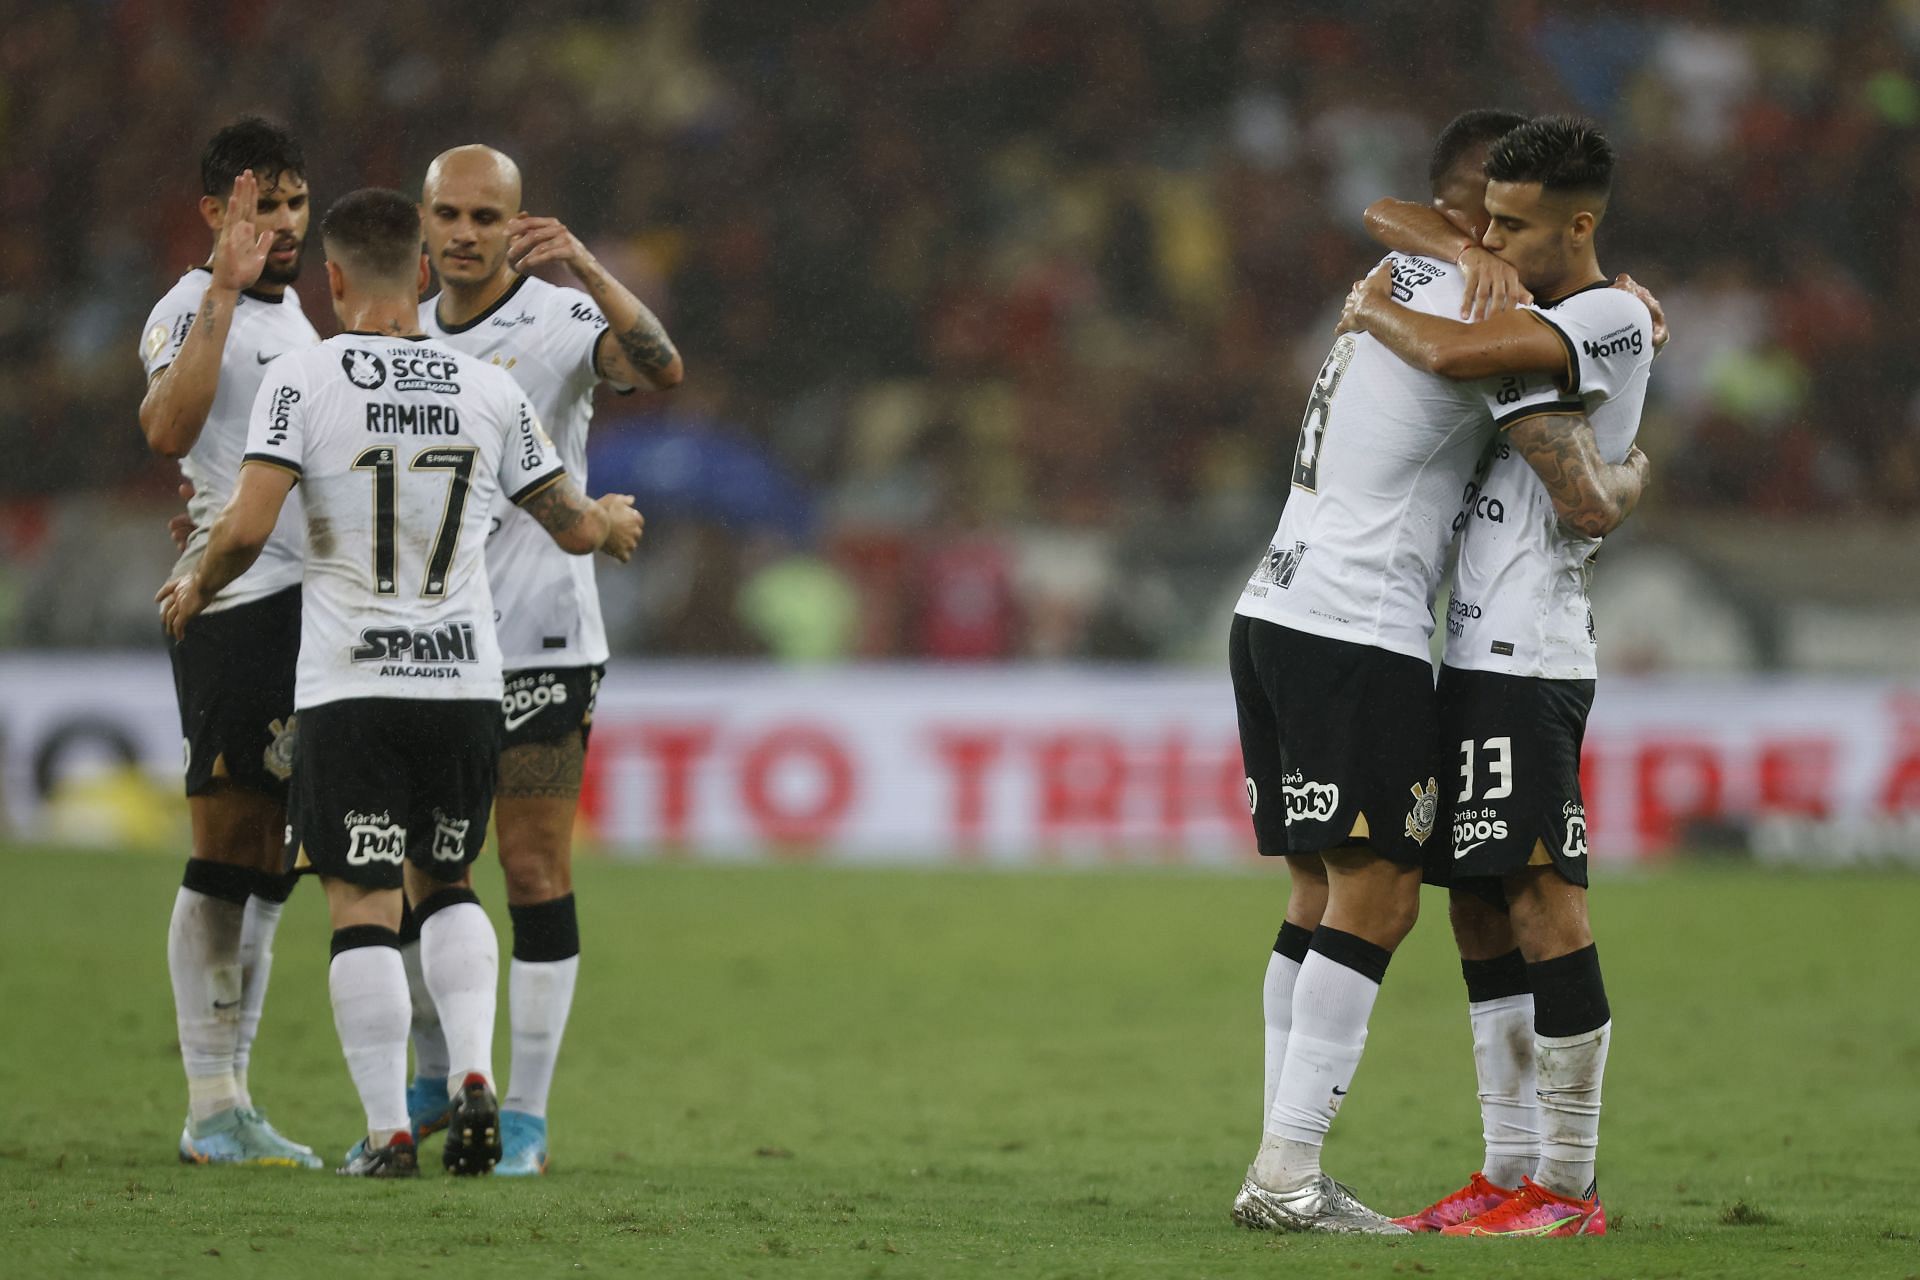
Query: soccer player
1518,677
559,345
207,346
1334,689
400,447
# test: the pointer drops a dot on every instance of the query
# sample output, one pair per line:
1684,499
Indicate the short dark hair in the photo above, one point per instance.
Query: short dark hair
1561,153
375,230
1476,128
249,143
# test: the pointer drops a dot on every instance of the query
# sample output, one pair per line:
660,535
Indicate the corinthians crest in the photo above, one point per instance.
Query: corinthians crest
1426,803
278,757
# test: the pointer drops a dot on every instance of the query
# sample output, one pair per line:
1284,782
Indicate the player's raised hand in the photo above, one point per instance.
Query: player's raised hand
1660,331
180,603
180,528
624,525
1493,285
534,242
240,252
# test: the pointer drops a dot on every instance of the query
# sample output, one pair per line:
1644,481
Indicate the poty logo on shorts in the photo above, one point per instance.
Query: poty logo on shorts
1308,801
374,837
449,838
1575,844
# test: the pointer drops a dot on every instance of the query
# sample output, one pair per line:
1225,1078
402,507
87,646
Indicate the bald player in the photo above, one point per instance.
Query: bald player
559,344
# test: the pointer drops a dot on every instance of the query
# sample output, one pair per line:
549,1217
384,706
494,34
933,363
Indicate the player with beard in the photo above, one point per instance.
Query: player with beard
1334,686
1518,677
207,347
559,345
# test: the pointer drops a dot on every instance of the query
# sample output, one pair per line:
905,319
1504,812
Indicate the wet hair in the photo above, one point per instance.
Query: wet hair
1564,154
249,143
1477,128
374,230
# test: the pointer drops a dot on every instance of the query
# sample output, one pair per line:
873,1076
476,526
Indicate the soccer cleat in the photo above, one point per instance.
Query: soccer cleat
242,1136
428,1106
398,1159
473,1132
1470,1201
1322,1205
523,1142
1535,1211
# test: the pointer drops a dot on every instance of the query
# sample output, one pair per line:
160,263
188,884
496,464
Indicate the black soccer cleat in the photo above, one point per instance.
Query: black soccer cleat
473,1130
398,1159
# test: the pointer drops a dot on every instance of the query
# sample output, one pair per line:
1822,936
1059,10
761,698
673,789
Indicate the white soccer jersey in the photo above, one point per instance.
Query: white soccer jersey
1520,581
401,447
1385,453
263,329
545,601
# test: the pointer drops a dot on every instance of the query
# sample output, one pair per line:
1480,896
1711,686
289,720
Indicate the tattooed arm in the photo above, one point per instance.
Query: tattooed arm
1590,495
580,527
180,396
635,348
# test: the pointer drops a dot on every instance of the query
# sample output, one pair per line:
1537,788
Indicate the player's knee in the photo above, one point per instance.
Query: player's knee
536,879
1479,928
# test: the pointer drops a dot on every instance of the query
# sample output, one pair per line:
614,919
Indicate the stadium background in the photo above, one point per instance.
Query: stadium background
999,317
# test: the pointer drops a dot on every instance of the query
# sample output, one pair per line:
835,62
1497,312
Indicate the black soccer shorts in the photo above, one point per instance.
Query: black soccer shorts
1510,748
547,704
379,782
233,677
1331,731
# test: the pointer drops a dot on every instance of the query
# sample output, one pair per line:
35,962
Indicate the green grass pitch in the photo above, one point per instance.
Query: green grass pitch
794,1071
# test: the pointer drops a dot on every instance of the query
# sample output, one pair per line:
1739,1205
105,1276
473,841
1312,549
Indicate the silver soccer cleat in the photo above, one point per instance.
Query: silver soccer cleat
1321,1205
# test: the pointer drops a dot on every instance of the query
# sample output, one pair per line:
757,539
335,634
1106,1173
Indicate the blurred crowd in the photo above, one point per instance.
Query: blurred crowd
997,314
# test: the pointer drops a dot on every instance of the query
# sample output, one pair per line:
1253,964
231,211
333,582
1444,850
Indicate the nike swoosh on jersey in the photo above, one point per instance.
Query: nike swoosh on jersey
515,720
268,359
1461,853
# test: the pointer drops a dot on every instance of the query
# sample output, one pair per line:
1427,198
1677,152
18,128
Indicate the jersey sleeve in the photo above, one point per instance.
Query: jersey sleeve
529,463
1515,397
1608,335
167,327
570,335
277,431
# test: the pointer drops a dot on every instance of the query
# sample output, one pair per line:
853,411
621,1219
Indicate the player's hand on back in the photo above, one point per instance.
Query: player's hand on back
624,525
1660,331
180,528
1377,287
1492,284
240,252
534,242
180,601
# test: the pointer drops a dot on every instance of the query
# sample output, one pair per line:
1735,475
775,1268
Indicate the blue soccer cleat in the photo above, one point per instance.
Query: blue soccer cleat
242,1136
428,1106
523,1139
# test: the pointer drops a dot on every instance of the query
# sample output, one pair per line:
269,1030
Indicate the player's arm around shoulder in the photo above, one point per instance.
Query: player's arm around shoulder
1512,342
1591,496
1492,285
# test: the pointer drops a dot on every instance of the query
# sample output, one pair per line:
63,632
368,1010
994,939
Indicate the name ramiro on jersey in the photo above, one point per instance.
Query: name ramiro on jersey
414,419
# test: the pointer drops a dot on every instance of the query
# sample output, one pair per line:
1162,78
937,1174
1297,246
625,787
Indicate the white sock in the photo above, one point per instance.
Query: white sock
429,1041
369,989
1331,1005
1503,1063
203,958
1276,1000
461,959
539,997
1570,1070
257,926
